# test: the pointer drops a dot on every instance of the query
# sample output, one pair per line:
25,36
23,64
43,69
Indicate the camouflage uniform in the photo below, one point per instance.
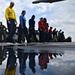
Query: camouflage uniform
2,33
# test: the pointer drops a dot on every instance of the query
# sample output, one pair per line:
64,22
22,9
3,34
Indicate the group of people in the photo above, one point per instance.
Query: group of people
12,22
46,34
56,35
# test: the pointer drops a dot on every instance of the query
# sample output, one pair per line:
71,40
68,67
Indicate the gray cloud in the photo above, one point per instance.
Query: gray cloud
60,14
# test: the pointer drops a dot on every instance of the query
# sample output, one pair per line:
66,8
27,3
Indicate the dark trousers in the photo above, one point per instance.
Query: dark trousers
50,37
42,36
11,30
32,33
47,36
22,30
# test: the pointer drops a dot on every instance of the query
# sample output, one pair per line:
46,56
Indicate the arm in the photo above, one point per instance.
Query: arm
15,17
6,14
21,20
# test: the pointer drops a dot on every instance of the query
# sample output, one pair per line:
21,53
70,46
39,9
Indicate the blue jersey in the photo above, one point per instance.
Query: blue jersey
22,20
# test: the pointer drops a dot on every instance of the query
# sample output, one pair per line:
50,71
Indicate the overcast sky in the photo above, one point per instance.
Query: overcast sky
60,15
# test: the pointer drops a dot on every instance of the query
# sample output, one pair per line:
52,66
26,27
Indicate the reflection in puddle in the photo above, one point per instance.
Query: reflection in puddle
20,62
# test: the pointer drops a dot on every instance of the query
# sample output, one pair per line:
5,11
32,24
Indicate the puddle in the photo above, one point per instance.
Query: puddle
17,61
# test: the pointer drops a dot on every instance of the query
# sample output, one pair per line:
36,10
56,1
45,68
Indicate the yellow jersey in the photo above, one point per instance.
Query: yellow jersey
10,72
10,14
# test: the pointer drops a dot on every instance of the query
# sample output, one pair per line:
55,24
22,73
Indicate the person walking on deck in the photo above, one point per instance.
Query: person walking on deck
11,22
22,27
32,28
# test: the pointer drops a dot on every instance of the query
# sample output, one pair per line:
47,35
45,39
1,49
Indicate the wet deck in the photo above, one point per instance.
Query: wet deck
38,58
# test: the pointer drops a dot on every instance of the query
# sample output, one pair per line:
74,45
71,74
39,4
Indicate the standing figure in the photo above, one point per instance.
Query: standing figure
32,28
54,35
11,22
2,32
46,34
62,36
59,35
41,29
50,34
22,27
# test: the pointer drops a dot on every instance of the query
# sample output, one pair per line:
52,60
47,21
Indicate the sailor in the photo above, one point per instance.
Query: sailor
2,32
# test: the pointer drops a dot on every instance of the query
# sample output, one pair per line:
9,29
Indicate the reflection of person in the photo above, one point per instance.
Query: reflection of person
2,32
50,55
11,22
22,60
32,62
11,63
2,54
43,60
32,28
22,27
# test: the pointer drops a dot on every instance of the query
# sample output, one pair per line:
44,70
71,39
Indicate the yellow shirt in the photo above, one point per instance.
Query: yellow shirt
9,13
10,72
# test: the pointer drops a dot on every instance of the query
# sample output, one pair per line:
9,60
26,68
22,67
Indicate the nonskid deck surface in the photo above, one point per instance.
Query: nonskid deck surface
46,43
51,46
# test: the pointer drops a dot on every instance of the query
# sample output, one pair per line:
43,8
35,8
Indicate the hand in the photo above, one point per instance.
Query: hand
22,27
16,23
8,21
